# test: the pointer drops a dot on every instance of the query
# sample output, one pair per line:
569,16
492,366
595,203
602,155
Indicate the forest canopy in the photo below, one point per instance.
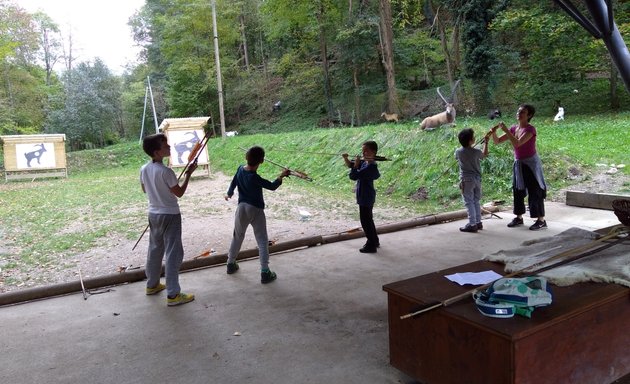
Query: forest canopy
317,62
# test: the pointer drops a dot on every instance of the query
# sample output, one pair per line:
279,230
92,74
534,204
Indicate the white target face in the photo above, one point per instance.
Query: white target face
182,143
35,155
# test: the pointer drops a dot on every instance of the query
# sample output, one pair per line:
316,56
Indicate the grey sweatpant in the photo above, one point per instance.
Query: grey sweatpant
247,214
165,239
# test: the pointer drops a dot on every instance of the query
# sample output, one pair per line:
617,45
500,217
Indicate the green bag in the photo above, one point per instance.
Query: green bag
509,296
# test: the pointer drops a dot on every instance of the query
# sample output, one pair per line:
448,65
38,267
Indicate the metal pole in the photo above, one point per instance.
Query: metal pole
153,105
218,65
144,112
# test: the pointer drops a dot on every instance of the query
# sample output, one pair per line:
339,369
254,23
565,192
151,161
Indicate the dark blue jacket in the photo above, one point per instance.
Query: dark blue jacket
365,176
250,186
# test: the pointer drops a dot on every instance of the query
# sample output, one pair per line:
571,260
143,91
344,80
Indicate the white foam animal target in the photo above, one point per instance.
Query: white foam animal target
559,115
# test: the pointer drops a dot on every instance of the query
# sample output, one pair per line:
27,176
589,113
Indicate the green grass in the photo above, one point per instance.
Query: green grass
47,219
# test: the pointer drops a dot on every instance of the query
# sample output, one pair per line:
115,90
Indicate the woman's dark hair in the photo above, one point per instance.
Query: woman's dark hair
531,111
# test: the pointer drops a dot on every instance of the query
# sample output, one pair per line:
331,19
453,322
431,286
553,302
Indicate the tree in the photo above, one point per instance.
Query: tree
50,42
541,52
91,115
22,100
388,54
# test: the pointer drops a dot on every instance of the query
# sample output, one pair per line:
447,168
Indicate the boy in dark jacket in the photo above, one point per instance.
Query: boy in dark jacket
250,210
365,171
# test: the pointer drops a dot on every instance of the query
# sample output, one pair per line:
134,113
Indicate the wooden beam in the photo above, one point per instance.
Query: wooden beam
592,200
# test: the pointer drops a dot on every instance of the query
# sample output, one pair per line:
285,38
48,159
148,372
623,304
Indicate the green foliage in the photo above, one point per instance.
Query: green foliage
91,111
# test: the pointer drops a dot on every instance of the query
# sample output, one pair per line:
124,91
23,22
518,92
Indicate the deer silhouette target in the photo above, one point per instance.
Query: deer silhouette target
35,154
186,146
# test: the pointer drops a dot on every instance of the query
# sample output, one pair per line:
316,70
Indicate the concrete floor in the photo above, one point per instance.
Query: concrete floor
323,321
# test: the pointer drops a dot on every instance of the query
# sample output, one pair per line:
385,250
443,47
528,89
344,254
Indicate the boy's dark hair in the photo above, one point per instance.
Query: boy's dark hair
153,143
531,111
371,145
464,137
255,155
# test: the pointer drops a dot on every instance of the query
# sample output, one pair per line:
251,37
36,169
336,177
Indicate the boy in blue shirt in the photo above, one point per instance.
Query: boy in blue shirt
165,220
365,172
469,160
250,210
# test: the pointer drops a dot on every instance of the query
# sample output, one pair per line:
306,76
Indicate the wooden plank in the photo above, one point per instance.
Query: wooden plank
592,200
21,175
27,139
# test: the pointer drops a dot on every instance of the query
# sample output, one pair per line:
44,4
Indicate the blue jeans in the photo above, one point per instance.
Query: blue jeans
471,193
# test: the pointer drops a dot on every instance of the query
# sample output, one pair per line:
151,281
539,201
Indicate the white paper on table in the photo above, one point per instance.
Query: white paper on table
474,278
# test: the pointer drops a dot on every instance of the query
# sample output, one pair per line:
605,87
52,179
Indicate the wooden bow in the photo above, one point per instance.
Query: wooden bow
292,172
375,158
298,174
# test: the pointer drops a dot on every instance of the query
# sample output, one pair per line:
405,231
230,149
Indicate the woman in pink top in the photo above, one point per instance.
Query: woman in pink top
527,179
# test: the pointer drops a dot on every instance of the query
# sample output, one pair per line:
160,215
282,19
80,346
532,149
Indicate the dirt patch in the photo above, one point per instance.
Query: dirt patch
293,211
603,181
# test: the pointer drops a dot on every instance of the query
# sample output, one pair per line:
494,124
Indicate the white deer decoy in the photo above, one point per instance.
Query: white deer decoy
560,115
446,117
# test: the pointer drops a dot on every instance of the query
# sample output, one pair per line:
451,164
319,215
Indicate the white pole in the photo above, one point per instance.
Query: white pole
153,105
144,111
218,64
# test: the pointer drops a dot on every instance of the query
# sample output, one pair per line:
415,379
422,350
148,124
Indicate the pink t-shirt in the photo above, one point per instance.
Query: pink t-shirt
528,149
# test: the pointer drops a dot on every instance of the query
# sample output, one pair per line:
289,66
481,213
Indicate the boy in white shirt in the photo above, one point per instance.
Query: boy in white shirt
165,220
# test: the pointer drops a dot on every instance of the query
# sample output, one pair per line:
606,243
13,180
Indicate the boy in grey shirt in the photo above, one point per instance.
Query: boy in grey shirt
469,161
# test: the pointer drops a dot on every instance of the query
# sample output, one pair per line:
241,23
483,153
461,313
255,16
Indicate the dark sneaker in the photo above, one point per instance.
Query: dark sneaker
267,277
367,249
472,228
479,226
538,225
232,268
515,222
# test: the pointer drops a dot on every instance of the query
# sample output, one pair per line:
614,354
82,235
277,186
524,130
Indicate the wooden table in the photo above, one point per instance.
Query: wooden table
582,337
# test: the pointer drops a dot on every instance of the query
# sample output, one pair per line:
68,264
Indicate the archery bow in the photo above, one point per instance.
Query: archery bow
376,158
298,174
195,152
292,172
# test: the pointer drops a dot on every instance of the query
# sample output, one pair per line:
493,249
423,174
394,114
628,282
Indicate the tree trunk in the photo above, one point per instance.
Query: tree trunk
388,56
447,55
324,55
457,60
262,54
47,56
244,37
357,95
